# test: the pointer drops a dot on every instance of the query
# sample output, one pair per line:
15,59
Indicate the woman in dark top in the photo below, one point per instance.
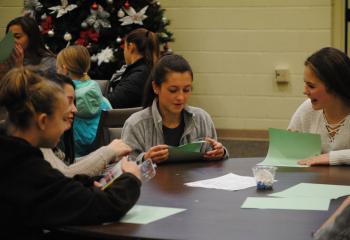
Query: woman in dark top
30,48
141,52
33,195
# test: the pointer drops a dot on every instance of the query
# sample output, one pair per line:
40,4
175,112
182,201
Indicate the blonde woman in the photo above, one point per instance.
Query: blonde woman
74,61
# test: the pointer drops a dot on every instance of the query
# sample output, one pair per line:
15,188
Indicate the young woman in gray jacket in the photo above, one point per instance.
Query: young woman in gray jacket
167,120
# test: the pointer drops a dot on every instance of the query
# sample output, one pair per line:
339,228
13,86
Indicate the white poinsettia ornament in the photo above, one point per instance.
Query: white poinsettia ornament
30,7
106,55
63,8
98,19
133,16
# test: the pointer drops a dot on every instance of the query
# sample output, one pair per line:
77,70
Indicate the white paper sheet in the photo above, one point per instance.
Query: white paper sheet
230,181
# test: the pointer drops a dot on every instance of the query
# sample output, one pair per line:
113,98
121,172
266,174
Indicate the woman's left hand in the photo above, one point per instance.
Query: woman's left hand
322,159
217,152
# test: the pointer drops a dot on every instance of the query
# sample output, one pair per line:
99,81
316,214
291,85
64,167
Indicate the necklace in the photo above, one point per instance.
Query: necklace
333,128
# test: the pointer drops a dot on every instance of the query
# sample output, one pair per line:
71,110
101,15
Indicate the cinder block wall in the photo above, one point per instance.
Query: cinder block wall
9,9
234,47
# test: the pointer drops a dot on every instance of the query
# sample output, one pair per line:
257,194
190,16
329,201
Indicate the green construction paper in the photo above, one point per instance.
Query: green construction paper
141,214
190,147
187,152
312,190
286,148
290,203
6,46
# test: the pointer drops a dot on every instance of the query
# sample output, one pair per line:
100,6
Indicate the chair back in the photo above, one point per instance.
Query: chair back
3,113
111,125
104,85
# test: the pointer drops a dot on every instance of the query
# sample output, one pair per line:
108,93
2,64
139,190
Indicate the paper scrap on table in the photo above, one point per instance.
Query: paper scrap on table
229,182
141,214
290,203
286,148
314,190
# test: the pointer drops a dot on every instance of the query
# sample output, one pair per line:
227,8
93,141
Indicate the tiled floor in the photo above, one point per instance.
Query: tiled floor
246,148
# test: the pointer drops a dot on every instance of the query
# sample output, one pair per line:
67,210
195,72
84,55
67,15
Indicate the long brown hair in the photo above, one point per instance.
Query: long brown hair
146,43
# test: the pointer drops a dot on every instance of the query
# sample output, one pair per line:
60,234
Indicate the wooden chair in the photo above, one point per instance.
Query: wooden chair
111,125
104,85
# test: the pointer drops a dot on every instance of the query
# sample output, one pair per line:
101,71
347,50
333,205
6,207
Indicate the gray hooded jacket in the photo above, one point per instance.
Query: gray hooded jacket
144,129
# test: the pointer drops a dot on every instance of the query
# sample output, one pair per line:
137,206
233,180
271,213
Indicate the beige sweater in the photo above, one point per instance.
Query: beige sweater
306,119
91,164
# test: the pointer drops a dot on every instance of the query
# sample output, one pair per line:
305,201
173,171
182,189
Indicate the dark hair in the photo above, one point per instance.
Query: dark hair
146,43
58,78
36,49
66,144
332,67
167,64
24,93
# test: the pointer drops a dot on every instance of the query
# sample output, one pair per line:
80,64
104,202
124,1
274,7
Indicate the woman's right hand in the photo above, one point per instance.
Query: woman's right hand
130,167
120,148
18,55
157,153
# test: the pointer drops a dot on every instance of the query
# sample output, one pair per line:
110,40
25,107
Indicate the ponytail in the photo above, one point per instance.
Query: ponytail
24,93
146,43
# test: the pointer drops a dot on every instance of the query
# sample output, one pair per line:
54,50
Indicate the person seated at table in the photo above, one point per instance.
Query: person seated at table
337,226
326,112
62,156
166,118
34,195
74,61
30,49
141,52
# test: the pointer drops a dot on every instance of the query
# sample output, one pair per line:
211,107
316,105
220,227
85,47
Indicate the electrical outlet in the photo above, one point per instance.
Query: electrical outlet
282,75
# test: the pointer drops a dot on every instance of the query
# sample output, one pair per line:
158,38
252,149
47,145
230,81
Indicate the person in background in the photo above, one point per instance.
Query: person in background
166,119
141,52
326,112
7,62
34,195
30,49
74,61
62,156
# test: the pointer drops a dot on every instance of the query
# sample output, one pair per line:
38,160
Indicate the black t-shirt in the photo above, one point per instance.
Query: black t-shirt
172,136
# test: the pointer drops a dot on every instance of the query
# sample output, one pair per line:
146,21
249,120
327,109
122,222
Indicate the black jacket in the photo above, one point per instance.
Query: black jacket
34,196
127,90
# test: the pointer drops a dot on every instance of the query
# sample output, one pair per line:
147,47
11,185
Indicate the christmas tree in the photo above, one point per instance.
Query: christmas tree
99,25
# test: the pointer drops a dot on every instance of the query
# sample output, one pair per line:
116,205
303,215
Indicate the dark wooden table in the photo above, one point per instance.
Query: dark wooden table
216,214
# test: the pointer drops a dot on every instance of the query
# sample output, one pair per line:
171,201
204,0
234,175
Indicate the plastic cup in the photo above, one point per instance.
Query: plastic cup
264,176
148,170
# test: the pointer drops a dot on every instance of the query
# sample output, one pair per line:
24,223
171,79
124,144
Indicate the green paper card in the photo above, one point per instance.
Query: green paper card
187,152
286,148
313,190
141,214
6,46
290,203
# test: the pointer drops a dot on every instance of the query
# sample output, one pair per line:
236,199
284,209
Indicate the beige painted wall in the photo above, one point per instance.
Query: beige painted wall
9,9
234,47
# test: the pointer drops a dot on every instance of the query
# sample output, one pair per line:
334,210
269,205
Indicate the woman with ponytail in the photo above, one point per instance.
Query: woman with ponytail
34,196
74,62
141,52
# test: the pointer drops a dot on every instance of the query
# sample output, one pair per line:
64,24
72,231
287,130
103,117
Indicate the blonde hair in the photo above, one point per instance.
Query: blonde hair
24,93
76,59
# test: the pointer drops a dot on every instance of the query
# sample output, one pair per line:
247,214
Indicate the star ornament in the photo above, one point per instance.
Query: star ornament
106,55
63,8
133,16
